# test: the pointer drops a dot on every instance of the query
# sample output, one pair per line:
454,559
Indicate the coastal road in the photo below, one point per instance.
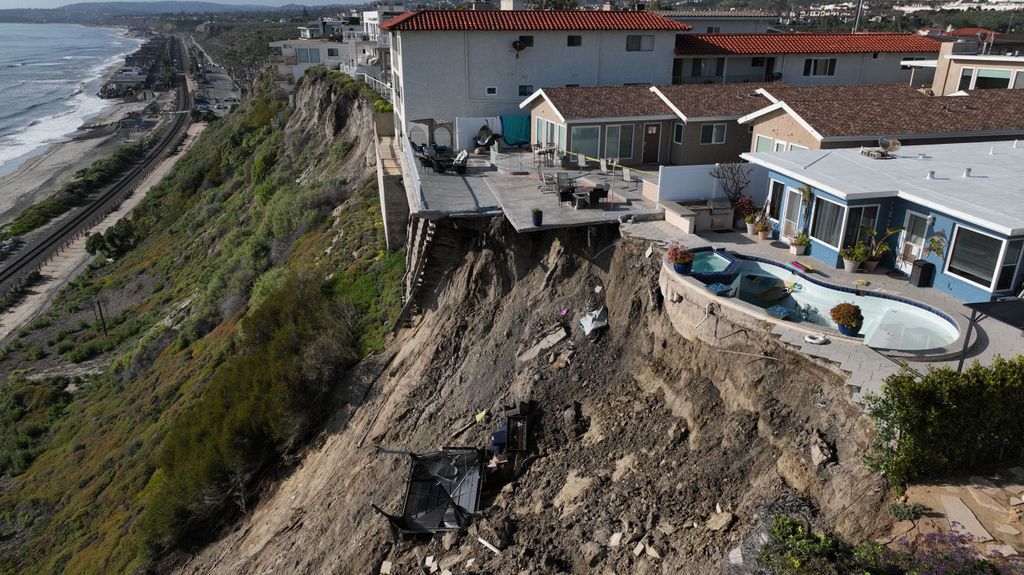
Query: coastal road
34,254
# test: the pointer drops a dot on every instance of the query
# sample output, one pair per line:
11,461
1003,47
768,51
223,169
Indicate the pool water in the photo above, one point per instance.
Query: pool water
888,324
706,262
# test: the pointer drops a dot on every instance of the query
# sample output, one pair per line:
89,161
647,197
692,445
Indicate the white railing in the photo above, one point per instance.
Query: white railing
412,164
380,87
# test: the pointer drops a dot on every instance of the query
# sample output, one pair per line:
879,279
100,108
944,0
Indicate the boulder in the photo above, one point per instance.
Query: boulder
720,521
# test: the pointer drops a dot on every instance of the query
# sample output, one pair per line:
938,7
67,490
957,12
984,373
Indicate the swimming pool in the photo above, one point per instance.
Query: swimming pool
889,323
714,266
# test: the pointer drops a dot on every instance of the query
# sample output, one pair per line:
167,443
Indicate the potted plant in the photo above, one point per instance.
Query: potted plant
848,317
798,245
681,258
878,246
750,220
538,217
763,229
853,256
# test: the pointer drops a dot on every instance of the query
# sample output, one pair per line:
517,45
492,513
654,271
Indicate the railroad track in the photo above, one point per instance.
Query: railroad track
32,257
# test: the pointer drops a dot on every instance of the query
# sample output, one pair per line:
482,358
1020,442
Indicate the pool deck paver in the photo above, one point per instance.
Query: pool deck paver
867,368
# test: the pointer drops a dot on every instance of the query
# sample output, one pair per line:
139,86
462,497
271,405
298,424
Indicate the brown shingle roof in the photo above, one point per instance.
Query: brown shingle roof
607,102
716,100
911,113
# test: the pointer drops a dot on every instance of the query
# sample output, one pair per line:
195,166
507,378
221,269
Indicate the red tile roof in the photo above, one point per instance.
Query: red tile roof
724,44
525,20
971,32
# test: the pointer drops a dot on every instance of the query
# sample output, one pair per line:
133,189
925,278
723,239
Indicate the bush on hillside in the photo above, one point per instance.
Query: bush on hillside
257,406
945,422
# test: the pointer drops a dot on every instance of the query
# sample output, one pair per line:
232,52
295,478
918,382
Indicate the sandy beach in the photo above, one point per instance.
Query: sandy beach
43,174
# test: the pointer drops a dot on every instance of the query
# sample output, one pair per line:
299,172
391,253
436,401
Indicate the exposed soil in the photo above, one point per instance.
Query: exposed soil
649,453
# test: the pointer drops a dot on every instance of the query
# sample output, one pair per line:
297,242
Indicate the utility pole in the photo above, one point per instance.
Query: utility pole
856,22
98,303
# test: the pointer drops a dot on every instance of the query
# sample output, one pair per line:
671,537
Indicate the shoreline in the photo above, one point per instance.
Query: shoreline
40,172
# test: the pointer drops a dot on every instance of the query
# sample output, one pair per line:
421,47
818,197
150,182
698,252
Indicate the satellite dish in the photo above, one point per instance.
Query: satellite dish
889,144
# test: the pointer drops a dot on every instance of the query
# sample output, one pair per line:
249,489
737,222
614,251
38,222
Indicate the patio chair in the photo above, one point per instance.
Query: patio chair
629,178
604,165
581,161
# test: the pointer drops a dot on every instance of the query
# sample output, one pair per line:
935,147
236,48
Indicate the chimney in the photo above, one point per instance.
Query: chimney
967,172
931,175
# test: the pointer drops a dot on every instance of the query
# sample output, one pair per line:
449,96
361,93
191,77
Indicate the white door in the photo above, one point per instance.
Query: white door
791,219
911,245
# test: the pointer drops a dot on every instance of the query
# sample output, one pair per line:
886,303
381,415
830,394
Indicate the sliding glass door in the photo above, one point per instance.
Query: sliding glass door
791,219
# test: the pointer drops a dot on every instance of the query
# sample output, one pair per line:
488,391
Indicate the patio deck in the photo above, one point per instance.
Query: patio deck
867,367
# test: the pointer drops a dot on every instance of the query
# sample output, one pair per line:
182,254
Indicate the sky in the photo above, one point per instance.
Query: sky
4,4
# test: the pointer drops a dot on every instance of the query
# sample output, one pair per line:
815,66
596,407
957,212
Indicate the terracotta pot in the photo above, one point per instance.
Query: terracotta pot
763,235
870,265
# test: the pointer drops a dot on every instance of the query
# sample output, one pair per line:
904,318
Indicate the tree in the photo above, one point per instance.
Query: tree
733,177
95,244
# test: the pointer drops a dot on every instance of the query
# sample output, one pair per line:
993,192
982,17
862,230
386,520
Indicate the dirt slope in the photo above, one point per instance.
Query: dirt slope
640,430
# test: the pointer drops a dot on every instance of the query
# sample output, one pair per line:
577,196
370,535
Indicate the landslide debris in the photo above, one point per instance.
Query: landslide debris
649,453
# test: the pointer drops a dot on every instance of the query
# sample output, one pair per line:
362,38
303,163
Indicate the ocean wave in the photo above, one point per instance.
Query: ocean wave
14,65
51,129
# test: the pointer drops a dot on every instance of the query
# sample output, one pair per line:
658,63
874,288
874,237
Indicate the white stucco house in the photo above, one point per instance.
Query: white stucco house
800,59
448,64
300,54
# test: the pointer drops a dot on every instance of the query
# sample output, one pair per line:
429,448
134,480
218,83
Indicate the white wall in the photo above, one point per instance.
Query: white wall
444,75
467,128
689,183
727,25
850,68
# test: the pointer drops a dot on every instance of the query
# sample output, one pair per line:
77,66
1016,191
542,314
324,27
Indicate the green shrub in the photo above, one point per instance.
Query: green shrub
901,511
945,422
35,353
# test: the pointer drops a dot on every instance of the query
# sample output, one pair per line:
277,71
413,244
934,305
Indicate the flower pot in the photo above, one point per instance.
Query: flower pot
538,219
849,330
870,265
797,250
738,223
763,235
682,269
750,228
850,265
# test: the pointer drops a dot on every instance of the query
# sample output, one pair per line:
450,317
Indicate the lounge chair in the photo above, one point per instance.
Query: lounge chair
629,178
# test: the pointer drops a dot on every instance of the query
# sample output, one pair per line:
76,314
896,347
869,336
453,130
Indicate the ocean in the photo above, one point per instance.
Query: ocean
49,76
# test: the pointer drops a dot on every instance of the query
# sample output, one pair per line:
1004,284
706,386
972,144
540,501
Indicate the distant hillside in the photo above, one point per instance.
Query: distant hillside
96,12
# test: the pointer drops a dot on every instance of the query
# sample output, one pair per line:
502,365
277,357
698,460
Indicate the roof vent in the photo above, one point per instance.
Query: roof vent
967,172
931,175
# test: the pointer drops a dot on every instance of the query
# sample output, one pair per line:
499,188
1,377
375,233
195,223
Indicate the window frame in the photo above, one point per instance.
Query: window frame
725,133
640,47
573,138
771,143
771,196
678,126
618,146
776,143
846,220
999,261
490,90
334,55
830,67
569,40
529,90
793,146
526,40
814,216
1016,265
714,30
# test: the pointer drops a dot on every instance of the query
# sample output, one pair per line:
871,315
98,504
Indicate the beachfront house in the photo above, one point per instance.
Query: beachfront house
799,59
492,60
824,117
649,125
958,66
961,207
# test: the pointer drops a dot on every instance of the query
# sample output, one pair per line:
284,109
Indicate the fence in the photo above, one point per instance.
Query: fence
689,183
413,167
380,87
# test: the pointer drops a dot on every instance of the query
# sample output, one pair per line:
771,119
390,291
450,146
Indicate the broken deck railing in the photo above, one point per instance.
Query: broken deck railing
442,492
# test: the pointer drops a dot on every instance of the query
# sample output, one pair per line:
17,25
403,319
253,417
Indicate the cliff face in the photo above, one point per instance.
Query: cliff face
643,436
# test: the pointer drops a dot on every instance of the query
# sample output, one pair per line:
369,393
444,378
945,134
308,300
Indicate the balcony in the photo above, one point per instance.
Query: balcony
727,79
287,60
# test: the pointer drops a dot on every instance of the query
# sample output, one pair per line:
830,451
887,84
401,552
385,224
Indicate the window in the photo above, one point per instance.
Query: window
618,142
974,256
574,40
757,62
857,218
966,75
526,41
775,195
538,131
820,67
525,89
677,133
827,222
491,90
639,43
990,78
714,29
1018,80
585,140
763,144
797,147
874,55
915,58
308,55
572,85
1009,267
332,52
712,134
780,146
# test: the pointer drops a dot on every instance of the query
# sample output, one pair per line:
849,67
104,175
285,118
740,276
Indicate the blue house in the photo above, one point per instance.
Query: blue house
966,199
